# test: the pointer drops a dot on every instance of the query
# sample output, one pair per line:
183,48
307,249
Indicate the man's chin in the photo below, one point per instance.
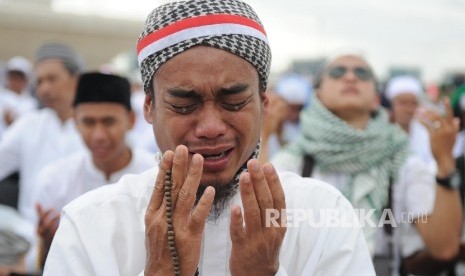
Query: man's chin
224,191
214,180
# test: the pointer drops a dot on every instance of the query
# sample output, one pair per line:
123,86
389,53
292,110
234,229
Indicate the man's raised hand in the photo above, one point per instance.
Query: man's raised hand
256,246
188,223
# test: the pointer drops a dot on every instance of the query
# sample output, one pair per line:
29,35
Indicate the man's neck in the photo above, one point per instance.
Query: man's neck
108,168
356,119
405,127
16,92
65,114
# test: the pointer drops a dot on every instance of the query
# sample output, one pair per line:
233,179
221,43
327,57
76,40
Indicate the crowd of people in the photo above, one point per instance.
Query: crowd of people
197,165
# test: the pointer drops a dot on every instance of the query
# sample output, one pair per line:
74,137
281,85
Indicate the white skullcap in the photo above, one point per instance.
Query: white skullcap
403,85
19,64
294,89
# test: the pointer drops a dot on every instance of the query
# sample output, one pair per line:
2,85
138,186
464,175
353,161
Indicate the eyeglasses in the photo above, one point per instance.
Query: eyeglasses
361,73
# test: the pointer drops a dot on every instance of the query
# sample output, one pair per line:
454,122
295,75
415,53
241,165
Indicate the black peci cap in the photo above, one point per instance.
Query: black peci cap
98,88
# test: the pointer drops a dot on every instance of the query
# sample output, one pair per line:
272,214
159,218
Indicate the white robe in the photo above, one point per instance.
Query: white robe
103,233
16,104
64,180
32,142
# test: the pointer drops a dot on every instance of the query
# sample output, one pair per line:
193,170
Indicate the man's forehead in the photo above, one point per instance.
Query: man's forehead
406,96
49,65
100,109
221,90
348,60
15,73
199,55
204,66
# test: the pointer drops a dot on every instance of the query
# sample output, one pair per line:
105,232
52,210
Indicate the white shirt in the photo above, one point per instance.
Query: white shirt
32,142
64,180
419,142
416,177
413,198
103,233
17,104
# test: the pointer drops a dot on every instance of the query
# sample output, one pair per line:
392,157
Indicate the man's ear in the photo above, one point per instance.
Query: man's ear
148,109
75,80
265,103
132,119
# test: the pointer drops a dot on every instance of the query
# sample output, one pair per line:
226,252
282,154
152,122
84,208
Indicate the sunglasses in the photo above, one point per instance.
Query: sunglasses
361,73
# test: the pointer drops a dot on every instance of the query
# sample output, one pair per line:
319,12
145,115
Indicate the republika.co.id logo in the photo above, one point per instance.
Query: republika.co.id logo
339,218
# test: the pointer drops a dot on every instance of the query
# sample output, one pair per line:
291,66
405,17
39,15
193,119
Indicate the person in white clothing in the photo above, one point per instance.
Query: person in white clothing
405,95
15,99
103,117
294,91
45,135
204,207
353,146
116,245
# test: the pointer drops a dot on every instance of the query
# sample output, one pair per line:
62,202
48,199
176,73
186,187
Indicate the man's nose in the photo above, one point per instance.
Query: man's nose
99,132
43,88
350,75
210,123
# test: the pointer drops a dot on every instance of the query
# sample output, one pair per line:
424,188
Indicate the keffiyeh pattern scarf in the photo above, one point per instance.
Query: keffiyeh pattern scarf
368,157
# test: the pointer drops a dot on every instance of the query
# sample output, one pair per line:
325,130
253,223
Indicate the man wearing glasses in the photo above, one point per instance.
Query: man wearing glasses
348,142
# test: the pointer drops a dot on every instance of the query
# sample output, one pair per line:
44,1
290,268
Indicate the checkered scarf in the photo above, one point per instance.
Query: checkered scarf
229,25
368,157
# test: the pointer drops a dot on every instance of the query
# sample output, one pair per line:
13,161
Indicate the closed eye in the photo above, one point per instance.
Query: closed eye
183,109
235,106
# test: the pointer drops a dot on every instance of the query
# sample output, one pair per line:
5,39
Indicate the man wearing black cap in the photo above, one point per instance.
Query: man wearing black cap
103,117
206,207
41,137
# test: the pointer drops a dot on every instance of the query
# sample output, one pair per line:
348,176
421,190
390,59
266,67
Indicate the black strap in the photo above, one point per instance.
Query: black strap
384,264
387,227
309,163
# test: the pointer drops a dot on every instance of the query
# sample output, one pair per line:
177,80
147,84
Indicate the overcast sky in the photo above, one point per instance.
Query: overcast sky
428,34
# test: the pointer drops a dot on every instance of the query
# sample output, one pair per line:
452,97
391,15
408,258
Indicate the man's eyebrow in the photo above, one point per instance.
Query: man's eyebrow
234,89
183,93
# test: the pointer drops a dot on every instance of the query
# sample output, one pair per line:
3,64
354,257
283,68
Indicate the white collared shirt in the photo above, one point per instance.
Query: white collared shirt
64,180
